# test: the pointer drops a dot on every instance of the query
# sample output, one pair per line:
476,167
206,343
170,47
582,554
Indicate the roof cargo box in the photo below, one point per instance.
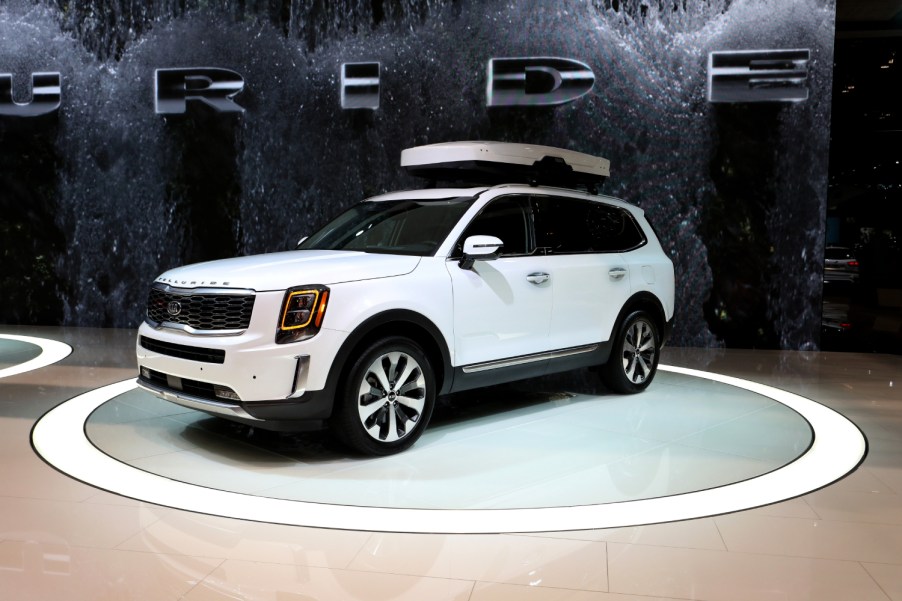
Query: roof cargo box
503,162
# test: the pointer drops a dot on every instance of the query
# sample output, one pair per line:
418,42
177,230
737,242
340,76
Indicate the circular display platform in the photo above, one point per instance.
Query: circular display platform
20,354
694,444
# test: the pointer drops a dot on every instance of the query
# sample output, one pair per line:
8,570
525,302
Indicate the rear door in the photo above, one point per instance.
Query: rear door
581,239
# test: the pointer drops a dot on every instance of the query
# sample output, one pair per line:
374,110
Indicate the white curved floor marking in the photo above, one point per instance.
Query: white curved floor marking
837,449
51,352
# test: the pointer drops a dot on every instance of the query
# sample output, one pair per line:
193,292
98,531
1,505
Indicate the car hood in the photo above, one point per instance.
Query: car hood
278,271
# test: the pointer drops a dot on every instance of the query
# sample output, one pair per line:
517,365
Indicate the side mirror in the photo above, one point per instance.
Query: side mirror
480,248
301,241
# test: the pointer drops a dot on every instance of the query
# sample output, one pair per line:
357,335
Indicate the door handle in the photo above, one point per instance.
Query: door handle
537,278
617,273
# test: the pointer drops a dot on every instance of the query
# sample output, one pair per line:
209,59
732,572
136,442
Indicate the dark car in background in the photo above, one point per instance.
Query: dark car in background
840,265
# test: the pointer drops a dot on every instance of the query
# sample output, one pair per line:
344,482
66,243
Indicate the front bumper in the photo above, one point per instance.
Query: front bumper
292,415
247,377
220,408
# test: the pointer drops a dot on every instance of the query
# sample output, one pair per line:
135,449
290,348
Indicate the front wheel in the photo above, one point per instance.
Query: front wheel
387,399
634,356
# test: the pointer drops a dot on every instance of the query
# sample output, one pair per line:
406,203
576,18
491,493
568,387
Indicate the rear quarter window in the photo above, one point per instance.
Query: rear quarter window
573,225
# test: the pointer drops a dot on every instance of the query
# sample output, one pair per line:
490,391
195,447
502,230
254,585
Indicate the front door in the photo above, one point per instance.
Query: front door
502,308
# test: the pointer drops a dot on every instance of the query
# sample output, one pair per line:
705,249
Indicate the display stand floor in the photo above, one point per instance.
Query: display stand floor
560,448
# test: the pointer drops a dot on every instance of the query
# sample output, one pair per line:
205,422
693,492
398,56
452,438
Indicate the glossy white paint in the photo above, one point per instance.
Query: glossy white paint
587,297
258,369
497,311
279,271
255,366
502,308
652,271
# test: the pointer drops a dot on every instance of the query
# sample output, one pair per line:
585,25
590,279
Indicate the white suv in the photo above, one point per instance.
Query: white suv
415,294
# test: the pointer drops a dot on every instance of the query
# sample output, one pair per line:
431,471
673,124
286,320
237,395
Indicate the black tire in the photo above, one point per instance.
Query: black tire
376,414
632,366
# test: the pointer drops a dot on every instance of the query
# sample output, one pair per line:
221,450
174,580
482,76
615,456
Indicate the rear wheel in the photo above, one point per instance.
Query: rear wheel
634,356
387,399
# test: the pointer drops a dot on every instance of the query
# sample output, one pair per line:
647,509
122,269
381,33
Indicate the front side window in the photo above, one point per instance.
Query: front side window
404,227
572,225
506,218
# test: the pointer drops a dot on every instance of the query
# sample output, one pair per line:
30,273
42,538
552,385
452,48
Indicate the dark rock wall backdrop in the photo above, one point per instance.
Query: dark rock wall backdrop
100,196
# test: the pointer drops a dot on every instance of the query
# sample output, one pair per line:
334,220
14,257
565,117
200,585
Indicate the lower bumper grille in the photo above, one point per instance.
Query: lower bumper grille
182,351
196,388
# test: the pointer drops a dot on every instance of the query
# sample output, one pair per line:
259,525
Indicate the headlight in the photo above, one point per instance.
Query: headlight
302,313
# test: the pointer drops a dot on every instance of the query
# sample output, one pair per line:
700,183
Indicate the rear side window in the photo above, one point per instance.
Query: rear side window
572,225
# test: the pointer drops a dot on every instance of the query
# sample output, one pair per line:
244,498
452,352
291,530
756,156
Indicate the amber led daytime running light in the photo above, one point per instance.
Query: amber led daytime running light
321,309
313,312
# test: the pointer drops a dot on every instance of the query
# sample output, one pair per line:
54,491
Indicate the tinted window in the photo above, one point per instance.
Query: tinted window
837,253
571,225
505,218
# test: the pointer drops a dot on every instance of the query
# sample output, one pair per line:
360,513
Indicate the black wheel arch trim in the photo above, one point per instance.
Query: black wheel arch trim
648,302
423,329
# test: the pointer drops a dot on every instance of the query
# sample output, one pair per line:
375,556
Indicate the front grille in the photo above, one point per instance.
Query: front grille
204,312
182,351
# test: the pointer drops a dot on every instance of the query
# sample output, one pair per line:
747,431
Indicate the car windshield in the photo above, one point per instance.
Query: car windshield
404,227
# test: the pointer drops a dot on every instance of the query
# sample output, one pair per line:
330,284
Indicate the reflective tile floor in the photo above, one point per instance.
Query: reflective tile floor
63,539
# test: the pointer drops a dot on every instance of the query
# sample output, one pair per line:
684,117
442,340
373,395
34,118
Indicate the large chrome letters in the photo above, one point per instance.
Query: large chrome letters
537,81
216,88
46,95
758,75
531,81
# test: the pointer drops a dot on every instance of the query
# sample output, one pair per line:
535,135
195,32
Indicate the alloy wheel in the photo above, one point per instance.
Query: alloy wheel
639,350
391,396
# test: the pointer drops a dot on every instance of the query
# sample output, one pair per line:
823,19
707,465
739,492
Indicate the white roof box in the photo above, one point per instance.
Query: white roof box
503,162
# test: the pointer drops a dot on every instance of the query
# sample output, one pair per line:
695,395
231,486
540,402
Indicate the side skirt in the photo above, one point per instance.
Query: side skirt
477,375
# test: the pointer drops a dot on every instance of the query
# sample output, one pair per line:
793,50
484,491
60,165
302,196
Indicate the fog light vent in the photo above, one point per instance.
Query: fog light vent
224,392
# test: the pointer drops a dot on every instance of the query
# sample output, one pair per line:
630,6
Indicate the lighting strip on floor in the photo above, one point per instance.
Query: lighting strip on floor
51,352
838,447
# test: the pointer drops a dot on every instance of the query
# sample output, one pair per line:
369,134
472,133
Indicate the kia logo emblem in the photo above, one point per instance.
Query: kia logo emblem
174,308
